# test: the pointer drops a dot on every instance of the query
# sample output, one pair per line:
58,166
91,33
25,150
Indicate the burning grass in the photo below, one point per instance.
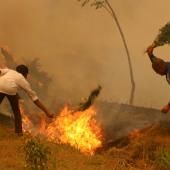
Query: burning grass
79,129
142,149
63,156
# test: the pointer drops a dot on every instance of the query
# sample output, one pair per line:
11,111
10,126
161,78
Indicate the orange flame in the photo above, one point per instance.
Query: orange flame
26,123
80,130
134,134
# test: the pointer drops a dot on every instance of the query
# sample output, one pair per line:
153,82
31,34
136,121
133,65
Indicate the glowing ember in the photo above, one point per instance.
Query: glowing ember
80,130
134,134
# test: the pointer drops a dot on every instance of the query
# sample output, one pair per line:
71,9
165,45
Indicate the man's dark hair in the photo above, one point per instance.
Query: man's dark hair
22,69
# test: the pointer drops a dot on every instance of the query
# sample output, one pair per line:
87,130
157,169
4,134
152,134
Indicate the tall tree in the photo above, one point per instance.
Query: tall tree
107,6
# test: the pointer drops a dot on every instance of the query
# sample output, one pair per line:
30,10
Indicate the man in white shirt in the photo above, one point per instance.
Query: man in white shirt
10,82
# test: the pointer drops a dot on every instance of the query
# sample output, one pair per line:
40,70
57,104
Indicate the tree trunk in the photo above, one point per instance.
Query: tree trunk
131,99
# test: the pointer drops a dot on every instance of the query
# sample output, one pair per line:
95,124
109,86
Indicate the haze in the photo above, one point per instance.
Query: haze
81,47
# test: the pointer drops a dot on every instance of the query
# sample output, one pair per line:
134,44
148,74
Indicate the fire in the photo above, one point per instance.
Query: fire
134,134
78,129
26,123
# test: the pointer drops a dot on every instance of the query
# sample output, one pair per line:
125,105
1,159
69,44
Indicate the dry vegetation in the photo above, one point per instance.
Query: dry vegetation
146,149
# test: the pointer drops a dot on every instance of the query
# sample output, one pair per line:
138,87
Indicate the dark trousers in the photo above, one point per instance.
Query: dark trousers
14,102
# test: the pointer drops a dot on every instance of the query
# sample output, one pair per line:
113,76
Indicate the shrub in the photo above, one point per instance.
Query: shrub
36,154
163,158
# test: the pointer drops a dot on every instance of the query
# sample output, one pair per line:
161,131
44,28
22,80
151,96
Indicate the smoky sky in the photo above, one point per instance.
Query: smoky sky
81,47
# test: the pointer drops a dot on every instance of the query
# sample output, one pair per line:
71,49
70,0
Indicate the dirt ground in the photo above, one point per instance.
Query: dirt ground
135,139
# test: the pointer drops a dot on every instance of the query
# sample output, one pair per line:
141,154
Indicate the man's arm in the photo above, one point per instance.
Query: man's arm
43,108
150,52
23,83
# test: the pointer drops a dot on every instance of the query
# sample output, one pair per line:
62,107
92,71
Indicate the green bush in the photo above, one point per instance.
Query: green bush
163,158
36,154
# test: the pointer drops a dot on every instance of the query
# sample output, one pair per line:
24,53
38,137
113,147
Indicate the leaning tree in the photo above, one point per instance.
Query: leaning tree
105,4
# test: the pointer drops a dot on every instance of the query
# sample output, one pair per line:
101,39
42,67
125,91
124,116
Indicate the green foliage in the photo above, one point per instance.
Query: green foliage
36,154
164,36
163,158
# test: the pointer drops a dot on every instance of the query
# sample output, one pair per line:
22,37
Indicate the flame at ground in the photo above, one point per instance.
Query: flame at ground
26,123
79,129
134,134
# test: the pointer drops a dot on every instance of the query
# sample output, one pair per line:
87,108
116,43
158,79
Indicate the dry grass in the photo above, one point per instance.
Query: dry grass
63,157
11,154
139,154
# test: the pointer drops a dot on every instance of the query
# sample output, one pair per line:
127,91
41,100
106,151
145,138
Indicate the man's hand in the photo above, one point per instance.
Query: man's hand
149,50
43,108
50,115
165,109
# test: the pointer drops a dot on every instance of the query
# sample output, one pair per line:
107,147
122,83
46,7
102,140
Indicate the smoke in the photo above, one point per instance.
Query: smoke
81,47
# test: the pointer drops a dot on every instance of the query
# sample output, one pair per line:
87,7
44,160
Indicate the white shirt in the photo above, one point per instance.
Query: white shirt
11,81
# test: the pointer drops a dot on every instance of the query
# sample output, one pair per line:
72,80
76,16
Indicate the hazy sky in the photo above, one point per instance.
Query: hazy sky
81,47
